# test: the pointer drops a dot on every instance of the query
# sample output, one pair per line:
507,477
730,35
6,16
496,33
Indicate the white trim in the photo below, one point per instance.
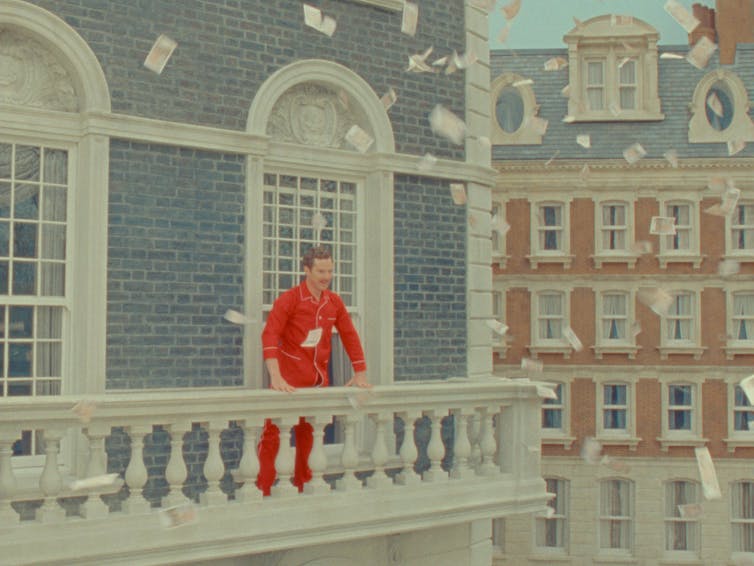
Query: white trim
554,346
563,435
525,134
692,346
603,255
603,346
745,255
537,255
741,126
692,255
615,437
691,437
733,346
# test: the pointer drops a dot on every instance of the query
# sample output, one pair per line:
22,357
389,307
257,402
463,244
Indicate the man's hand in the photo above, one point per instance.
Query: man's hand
359,379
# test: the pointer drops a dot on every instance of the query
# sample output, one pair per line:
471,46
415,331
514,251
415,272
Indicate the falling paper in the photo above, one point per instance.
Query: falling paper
502,37
635,328
179,515
84,410
747,385
319,222
443,122
590,450
555,64
410,17
735,146
656,299
710,487
464,61
681,15
566,91
713,101
417,62
538,125
440,62
523,82
458,192
568,118
572,339
485,5
700,54
94,482
161,51
312,339
358,397
671,156
388,99
497,326
642,247
314,19
359,138
511,9
554,155
546,392
236,317
690,510
634,153
728,267
585,173
499,225
623,61
662,225
535,366
616,465
718,184
584,140
671,56
427,162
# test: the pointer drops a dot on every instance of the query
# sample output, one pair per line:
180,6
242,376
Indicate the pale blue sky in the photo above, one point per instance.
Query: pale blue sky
543,23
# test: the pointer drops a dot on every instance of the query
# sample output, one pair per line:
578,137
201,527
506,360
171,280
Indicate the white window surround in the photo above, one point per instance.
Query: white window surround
604,255
612,437
682,556
627,515
741,126
746,255
561,255
600,38
691,347
691,437
735,438
560,514
741,516
500,344
692,254
560,436
499,241
626,346
560,345
526,134
734,346
377,273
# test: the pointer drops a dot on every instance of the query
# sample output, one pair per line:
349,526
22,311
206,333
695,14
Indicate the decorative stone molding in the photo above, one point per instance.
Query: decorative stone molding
526,133
741,126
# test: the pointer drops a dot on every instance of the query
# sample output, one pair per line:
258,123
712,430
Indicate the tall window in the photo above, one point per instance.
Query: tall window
681,528
742,516
680,318
627,84
680,407
497,237
614,323
743,412
552,531
616,514
743,316
742,227
550,316
595,84
33,244
550,220
614,228
681,240
552,411
615,407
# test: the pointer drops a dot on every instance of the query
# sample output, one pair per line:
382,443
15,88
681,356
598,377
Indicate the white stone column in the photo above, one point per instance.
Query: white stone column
94,507
136,472
487,444
214,467
50,481
461,445
480,542
435,449
285,462
408,451
8,485
176,472
380,454
350,457
248,467
317,457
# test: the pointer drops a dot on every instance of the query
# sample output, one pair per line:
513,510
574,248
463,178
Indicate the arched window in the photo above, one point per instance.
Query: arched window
719,109
514,108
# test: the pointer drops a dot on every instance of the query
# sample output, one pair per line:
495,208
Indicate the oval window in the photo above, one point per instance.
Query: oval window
718,104
510,109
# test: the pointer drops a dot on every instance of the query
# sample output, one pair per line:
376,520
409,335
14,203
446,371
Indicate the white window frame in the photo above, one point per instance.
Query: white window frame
526,134
627,346
539,255
554,345
669,520
736,521
741,126
692,255
671,437
691,346
617,437
737,438
731,252
622,552
499,241
561,500
500,344
604,255
733,345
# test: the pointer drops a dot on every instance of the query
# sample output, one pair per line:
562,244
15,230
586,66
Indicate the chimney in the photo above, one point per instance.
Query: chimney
706,27
735,24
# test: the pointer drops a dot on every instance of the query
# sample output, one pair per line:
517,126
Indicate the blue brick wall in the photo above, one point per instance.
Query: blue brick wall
430,281
175,265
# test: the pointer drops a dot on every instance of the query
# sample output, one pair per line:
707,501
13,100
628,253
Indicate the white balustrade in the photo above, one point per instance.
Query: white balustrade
176,472
380,453
435,449
475,428
487,443
136,472
248,467
8,485
408,451
317,457
349,457
94,507
50,482
214,468
285,462
461,445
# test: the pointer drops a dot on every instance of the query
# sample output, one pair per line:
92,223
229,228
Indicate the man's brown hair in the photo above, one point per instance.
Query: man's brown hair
317,252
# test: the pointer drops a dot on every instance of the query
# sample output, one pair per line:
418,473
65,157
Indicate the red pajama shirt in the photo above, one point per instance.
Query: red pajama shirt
293,315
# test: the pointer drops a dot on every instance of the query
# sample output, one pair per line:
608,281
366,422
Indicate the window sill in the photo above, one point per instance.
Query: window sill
535,260
623,116
736,442
614,440
500,260
550,557
733,351
676,561
628,349
630,260
666,258
690,441
535,351
565,441
616,559
746,256
695,351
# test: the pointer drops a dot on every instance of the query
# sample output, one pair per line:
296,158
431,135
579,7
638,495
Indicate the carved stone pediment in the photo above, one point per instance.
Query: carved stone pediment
313,114
31,75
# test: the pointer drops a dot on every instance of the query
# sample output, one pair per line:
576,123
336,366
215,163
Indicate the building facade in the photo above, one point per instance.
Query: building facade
663,320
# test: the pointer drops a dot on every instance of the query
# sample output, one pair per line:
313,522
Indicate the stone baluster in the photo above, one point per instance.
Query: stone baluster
248,467
461,445
435,449
317,457
176,472
136,472
475,428
94,507
285,462
51,482
214,467
408,451
487,443
7,483
350,457
380,453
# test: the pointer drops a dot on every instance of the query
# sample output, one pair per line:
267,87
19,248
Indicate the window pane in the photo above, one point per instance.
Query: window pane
510,109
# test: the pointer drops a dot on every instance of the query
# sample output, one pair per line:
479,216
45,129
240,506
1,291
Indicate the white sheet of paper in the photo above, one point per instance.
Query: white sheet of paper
319,222
446,124
84,410
690,510
707,474
634,153
410,18
523,82
728,267
496,326
458,193
700,54
359,138
590,450
388,99
555,64
426,162
735,146
668,55
511,9
159,54
536,366
681,15
236,317
312,339
546,392
672,157
572,339
747,385
662,225
656,299
105,480
584,140
714,103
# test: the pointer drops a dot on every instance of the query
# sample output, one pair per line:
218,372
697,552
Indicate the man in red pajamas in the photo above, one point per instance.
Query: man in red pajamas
294,358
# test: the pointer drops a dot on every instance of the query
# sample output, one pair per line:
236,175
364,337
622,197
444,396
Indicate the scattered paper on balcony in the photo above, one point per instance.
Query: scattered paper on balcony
713,101
662,225
312,339
656,299
616,465
161,51
84,410
555,64
535,366
426,162
671,156
735,146
642,247
572,339
388,99
681,15
584,140
747,386
554,155
105,480
538,125
590,450
359,138
446,124
410,18
634,153
523,82
690,510
458,193
710,487
700,54
314,18
668,55
497,326
417,63
728,267
511,9
179,515
236,317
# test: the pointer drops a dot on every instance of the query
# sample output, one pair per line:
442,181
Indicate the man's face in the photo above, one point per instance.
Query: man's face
320,274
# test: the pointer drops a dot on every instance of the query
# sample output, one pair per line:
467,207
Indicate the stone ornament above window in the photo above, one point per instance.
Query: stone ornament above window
30,75
514,108
719,109
313,114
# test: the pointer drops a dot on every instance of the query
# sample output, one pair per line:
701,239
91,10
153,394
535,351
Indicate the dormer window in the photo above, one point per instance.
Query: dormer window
719,109
514,108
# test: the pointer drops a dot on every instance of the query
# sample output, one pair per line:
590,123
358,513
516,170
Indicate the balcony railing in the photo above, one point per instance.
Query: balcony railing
390,469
